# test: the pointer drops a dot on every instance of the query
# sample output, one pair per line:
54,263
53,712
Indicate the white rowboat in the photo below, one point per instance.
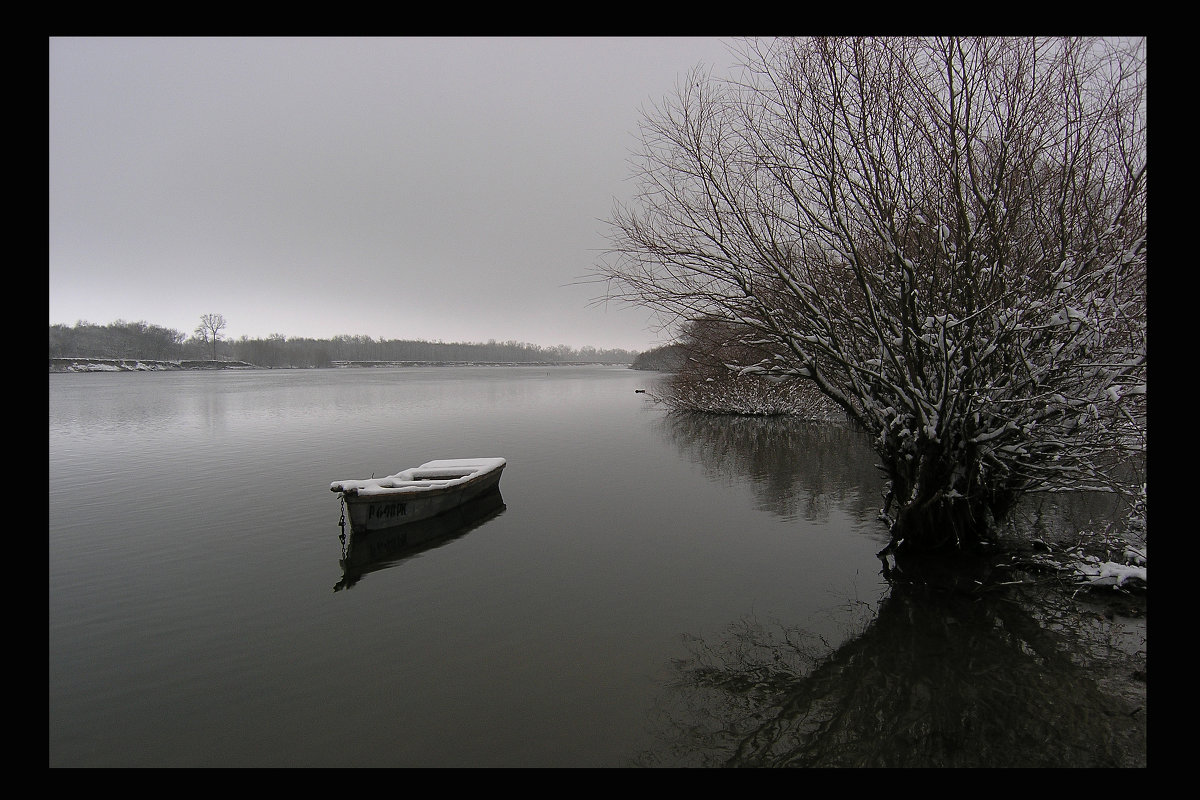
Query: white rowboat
418,493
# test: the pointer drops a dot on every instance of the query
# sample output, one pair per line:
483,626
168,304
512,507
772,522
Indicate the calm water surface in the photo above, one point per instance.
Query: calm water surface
194,556
649,589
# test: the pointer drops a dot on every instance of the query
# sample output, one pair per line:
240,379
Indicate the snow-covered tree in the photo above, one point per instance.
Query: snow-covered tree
945,236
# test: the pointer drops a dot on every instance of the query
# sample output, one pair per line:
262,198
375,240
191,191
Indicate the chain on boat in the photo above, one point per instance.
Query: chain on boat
342,525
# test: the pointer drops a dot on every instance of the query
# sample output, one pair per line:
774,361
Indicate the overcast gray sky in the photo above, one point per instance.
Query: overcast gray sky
424,188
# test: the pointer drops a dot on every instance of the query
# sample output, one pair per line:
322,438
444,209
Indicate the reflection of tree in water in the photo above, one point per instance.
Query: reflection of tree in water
796,468
947,674
1061,517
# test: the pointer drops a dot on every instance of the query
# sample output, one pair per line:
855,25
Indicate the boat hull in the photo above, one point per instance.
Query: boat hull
365,553
376,506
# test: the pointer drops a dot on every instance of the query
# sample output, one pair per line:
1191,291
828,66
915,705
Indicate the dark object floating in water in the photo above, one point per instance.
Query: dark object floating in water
418,493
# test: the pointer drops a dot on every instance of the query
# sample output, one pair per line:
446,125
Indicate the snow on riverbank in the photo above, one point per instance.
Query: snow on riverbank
138,365
1094,572
1081,566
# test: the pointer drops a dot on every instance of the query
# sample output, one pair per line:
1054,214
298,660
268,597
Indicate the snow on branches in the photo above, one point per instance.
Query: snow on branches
938,238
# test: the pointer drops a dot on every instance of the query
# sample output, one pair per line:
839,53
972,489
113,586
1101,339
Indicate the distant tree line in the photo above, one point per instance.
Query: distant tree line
132,340
120,339
666,358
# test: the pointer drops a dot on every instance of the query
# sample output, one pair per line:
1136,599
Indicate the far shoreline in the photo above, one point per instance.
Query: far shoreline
77,365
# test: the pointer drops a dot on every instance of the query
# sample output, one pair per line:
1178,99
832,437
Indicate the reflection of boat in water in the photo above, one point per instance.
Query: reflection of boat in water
372,550
418,493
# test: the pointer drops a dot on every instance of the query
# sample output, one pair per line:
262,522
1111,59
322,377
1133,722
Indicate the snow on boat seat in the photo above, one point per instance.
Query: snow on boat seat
432,475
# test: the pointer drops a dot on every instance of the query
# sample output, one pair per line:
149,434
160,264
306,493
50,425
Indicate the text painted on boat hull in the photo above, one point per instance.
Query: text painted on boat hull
386,511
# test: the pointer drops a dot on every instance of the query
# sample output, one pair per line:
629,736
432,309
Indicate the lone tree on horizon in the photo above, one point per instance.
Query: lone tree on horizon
945,236
209,330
